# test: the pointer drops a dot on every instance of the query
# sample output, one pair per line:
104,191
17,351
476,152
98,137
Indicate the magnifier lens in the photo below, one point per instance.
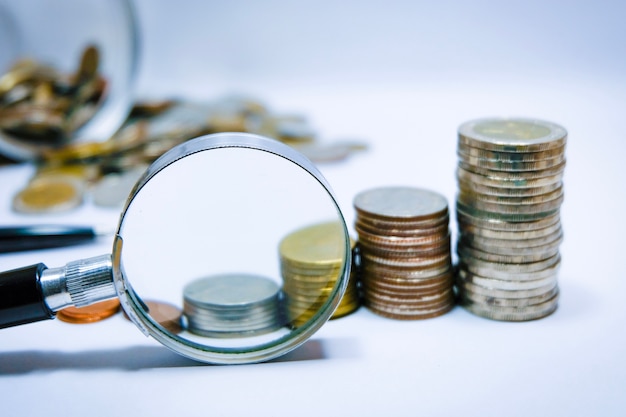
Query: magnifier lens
213,229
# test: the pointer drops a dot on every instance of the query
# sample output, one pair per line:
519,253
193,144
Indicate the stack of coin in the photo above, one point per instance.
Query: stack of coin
232,305
510,192
38,104
312,260
404,244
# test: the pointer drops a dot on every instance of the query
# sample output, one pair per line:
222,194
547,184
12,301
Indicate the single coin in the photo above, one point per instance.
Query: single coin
89,314
510,182
317,245
463,251
509,216
474,218
167,315
512,135
471,196
410,301
505,284
226,290
508,275
401,203
510,165
507,191
489,301
507,268
503,208
513,249
89,62
346,307
333,152
401,229
395,241
509,294
113,189
403,290
418,272
49,194
520,235
526,313
405,252
514,175
405,277
521,244
509,156
399,314
408,262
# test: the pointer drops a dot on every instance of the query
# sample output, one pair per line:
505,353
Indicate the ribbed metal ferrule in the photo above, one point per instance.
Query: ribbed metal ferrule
90,280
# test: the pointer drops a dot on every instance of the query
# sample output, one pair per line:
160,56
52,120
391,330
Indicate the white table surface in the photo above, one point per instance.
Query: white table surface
568,364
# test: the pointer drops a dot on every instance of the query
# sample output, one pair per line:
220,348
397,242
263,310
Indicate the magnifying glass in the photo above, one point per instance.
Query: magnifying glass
202,230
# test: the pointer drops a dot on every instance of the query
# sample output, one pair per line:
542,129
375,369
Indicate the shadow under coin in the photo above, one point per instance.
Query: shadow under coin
141,357
318,349
131,359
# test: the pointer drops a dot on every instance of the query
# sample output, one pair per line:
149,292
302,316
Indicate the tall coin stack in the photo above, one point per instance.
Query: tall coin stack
405,252
311,261
510,175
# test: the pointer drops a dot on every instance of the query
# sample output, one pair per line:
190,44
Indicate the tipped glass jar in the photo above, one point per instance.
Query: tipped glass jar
67,69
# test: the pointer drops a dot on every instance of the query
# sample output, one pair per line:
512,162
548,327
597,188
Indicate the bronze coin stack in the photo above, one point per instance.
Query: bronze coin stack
404,243
510,175
311,261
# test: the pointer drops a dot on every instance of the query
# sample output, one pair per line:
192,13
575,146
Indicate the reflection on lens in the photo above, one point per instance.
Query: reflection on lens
201,232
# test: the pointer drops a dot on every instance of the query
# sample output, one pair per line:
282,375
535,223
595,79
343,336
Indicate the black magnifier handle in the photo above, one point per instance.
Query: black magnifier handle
21,298
23,238
36,292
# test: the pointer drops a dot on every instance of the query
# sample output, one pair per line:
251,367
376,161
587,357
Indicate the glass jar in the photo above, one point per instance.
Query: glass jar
67,69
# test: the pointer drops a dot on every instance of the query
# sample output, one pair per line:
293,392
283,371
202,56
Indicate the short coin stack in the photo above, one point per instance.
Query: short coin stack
232,305
510,191
405,252
311,261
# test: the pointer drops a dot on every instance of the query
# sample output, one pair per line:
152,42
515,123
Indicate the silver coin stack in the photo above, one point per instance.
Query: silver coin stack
404,244
510,174
232,305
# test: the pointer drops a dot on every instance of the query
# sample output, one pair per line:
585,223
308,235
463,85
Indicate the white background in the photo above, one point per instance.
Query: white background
400,75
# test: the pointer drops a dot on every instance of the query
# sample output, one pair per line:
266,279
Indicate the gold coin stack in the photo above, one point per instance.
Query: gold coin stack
510,175
404,244
311,262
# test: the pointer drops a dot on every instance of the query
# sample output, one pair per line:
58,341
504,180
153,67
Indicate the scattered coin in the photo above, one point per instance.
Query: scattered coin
38,104
89,314
167,315
153,128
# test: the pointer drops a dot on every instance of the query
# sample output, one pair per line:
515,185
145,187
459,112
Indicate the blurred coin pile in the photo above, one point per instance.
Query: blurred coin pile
41,105
232,305
404,244
106,171
311,263
510,175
